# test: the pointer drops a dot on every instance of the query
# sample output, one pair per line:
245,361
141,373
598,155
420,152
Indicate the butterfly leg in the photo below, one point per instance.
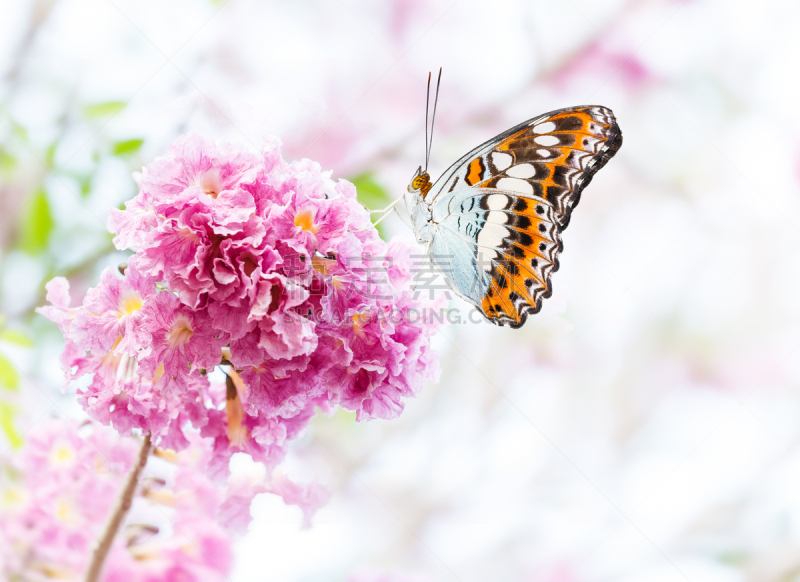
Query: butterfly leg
386,212
404,218
388,208
406,221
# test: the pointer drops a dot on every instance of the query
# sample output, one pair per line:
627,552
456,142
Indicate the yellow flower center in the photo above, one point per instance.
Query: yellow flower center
129,304
62,454
11,497
181,332
65,511
359,321
187,234
305,220
209,182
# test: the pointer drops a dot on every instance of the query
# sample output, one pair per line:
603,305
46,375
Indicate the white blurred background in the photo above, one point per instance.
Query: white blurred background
645,426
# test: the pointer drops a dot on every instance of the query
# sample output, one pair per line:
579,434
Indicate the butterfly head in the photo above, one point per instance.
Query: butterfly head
420,183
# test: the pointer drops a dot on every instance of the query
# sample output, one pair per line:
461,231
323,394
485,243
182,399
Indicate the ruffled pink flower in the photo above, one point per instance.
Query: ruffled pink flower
308,225
132,225
180,248
195,165
60,487
182,338
194,169
267,435
308,498
124,393
276,396
57,497
268,269
59,311
110,317
282,337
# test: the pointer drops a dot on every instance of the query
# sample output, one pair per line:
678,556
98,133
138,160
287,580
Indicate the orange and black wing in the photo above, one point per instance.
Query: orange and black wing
510,199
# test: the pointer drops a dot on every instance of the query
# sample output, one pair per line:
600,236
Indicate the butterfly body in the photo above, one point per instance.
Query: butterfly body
492,222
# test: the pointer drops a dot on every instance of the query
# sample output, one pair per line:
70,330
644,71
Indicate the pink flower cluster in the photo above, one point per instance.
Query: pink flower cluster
268,269
48,524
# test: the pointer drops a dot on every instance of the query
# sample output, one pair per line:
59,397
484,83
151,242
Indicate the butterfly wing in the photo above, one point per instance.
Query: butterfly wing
497,250
501,208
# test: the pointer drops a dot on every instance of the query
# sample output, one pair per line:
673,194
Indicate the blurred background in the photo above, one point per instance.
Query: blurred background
644,426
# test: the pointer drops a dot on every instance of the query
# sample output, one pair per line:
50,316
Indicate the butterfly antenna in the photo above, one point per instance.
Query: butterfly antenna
427,100
433,118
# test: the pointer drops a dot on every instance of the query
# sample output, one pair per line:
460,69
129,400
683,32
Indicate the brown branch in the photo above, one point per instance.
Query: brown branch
103,543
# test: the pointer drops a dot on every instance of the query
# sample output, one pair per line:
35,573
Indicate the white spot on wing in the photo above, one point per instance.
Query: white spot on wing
497,201
543,153
514,185
501,161
492,235
545,127
521,171
590,144
497,217
547,140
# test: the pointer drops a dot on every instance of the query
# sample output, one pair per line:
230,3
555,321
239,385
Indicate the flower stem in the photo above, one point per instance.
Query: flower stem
103,543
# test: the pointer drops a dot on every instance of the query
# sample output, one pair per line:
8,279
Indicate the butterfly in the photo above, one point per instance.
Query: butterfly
492,222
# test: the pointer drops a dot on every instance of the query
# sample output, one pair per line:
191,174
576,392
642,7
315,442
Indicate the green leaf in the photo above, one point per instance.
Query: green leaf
7,412
344,417
16,337
36,225
127,147
9,379
104,109
85,183
50,155
7,162
19,131
370,193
